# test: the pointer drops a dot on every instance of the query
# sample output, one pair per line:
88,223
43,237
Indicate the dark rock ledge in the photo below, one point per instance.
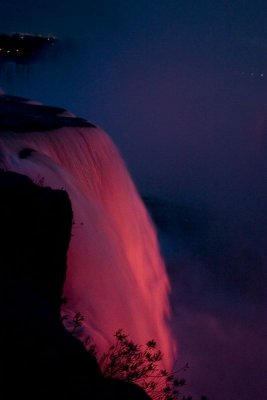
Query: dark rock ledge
40,359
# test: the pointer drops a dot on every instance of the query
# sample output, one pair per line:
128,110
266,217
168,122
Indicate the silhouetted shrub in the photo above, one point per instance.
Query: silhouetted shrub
138,364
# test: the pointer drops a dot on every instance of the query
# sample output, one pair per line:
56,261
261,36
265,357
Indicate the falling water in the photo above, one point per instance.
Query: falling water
116,277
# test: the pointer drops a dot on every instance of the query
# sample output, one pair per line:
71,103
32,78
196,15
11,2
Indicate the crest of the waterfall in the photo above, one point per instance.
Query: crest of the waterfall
116,277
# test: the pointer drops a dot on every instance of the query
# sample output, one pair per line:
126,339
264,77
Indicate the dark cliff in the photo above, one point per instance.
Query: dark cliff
40,358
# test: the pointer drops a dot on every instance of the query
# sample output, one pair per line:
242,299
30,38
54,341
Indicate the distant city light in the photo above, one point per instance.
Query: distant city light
23,48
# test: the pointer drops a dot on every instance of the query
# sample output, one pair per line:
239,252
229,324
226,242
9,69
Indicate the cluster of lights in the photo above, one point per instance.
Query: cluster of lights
10,51
254,74
23,47
23,35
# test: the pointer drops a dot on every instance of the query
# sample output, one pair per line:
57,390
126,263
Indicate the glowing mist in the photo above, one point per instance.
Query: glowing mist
116,277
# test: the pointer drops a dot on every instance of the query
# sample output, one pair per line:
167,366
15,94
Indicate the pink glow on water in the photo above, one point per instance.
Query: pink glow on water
116,277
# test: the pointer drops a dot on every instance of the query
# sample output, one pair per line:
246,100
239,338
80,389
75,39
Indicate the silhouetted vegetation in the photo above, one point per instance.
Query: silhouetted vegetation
138,364
141,365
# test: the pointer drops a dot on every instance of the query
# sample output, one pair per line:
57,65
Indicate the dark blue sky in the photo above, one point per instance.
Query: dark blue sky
176,77
174,82
181,88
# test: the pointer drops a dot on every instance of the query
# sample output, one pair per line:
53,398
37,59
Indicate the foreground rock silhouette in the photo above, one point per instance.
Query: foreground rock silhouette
40,358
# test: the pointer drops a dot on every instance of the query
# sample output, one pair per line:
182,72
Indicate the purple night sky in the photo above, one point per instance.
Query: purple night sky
180,86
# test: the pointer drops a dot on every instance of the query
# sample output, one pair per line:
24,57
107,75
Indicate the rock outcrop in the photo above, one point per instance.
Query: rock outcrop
40,358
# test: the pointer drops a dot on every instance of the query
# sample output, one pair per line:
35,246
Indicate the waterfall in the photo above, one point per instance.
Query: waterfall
115,277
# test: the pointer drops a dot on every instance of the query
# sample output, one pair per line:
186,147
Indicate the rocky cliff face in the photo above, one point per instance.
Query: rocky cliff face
40,358
20,115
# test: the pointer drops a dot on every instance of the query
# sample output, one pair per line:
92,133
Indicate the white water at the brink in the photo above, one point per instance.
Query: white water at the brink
116,277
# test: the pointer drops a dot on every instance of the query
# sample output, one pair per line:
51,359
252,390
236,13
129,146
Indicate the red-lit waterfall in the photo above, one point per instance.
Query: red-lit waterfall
116,277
